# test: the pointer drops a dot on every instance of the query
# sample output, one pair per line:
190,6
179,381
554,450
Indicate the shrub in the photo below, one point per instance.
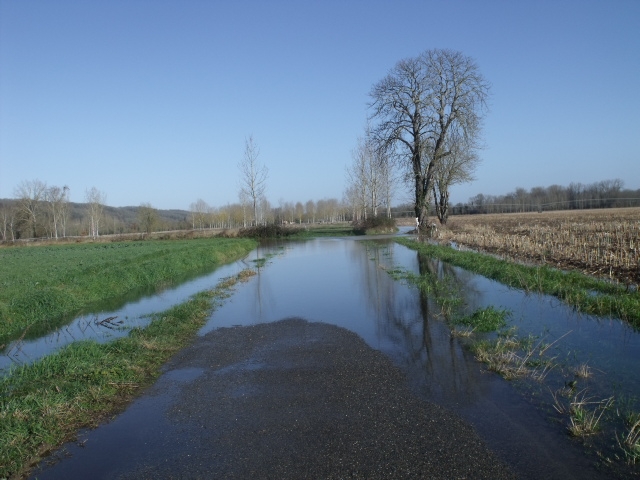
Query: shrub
266,231
374,225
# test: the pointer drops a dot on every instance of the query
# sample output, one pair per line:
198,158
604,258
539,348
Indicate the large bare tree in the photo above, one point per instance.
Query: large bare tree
421,103
253,176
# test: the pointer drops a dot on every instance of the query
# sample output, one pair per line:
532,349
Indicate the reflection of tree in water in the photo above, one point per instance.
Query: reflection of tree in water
424,347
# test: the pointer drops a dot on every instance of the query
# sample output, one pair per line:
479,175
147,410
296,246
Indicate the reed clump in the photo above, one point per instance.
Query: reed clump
584,414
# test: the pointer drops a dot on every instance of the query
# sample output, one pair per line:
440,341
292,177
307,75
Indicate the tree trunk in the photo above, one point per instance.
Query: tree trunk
423,187
442,205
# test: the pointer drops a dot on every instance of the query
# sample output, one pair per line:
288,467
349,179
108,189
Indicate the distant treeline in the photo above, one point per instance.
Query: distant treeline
26,217
577,196
604,194
115,220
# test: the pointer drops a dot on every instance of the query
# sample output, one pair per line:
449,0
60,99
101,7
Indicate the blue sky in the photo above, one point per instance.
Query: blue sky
151,101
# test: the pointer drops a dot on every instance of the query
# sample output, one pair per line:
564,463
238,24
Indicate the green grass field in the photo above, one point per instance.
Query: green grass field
40,285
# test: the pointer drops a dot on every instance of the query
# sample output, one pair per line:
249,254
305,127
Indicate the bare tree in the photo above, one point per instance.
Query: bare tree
455,168
56,198
199,211
31,196
388,180
299,211
63,209
370,182
419,105
7,220
96,200
265,212
243,201
310,210
358,179
253,176
148,217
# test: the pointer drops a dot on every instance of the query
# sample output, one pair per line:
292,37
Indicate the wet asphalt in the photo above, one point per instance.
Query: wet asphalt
284,400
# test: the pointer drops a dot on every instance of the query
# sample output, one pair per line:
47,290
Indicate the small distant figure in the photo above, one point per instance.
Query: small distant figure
417,223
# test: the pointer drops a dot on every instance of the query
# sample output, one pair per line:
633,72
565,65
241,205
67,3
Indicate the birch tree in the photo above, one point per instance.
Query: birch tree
56,198
199,213
310,211
96,201
253,176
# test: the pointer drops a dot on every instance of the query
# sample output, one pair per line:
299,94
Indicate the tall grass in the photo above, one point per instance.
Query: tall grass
46,283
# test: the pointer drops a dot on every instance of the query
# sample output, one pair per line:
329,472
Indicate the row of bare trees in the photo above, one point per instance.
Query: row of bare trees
40,210
204,216
370,180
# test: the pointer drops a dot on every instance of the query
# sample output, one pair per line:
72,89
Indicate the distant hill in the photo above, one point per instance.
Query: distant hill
115,219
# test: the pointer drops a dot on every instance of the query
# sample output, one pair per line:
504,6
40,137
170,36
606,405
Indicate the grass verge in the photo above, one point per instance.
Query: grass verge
586,294
40,286
42,405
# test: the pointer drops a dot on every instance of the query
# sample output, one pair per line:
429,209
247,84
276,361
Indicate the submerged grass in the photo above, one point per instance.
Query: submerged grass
584,414
43,404
486,319
444,291
587,294
526,358
514,357
41,284
629,442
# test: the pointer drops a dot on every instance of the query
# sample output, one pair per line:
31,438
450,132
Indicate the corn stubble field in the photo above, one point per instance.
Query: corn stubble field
603,243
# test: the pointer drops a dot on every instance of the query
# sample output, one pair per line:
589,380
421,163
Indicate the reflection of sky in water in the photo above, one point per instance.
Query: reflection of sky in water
344,282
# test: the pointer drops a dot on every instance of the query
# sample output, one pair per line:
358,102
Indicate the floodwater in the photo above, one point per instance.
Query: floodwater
345,281
107,322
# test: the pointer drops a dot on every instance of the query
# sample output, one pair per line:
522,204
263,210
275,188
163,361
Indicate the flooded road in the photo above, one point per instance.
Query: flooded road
345,282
